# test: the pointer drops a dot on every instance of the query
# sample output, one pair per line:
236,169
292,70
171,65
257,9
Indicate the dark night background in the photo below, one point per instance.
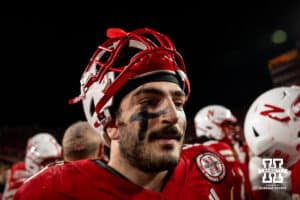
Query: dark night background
226,49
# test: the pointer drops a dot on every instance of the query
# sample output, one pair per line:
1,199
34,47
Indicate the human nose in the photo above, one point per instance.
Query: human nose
171,114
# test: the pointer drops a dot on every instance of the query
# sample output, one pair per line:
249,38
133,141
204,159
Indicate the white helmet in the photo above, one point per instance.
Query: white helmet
272,124
126,59
216,122
41,149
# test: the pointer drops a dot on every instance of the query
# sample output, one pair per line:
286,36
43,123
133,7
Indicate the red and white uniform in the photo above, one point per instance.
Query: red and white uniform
89,179
242,152
237,183
16,177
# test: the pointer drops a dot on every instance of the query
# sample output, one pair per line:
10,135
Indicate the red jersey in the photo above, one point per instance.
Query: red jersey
295,180
16,177
237,183
92,179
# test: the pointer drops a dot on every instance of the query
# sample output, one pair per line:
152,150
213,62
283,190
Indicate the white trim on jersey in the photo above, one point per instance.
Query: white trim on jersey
213,195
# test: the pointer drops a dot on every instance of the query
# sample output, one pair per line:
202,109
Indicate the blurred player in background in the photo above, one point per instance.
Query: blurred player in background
81,141
272,131
42,149
217,128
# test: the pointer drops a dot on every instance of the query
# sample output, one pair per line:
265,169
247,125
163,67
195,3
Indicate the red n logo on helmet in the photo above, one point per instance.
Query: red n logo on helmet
273,109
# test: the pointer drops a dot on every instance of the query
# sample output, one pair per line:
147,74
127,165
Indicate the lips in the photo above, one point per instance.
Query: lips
169,137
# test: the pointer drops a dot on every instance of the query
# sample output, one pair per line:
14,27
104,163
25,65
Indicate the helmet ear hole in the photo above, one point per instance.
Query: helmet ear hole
255,132
92,107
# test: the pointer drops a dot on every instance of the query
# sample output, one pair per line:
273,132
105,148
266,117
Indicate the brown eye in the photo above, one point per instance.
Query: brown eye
179,104
149,102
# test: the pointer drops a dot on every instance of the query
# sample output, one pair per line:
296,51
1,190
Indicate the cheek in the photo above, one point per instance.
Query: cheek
181,115
182,118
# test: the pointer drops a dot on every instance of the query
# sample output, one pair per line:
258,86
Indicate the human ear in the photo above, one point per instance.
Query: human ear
112,130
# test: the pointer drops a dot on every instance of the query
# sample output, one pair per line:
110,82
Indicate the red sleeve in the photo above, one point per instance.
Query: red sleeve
40,185
16,177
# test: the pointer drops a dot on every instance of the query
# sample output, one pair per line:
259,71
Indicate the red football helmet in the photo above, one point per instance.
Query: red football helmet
123,57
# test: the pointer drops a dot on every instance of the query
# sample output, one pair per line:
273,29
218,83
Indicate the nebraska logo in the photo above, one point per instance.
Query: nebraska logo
211,166
281,114
274,109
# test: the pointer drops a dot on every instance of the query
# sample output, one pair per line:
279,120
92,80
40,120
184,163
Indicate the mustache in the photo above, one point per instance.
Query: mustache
169,132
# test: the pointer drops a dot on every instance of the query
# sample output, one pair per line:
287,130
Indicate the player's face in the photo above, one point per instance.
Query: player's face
151,125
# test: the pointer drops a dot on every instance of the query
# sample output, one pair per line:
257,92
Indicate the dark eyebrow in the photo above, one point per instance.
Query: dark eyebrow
176,93
148,91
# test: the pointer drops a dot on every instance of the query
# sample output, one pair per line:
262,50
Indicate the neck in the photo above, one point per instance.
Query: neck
151,181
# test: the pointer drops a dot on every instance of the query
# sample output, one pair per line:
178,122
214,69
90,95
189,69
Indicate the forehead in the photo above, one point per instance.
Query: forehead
162,87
